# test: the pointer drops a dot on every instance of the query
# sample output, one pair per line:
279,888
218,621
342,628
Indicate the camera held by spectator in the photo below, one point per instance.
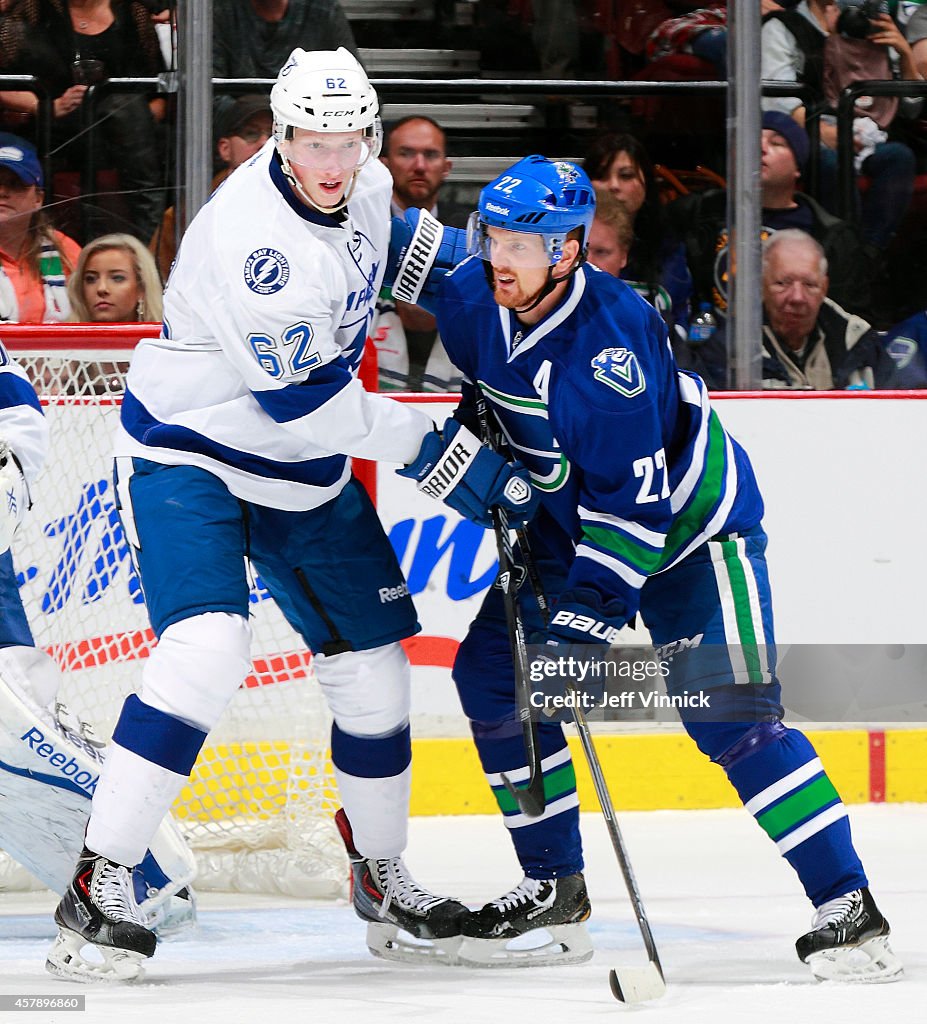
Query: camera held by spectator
855,21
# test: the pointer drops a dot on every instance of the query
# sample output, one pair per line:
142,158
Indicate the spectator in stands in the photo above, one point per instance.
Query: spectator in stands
804,46
915,31
35,260
611,235
701,221
241,130
70,45
657,261
906,344
115,281
410,355
702,32
699,30
809,342
254,38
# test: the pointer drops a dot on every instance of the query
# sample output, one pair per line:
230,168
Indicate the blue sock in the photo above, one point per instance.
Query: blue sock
782,783
548,846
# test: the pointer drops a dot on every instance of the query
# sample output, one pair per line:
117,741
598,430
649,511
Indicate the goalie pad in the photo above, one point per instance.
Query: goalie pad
49,768
14,496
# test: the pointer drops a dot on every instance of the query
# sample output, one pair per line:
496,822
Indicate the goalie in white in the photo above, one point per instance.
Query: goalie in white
49,764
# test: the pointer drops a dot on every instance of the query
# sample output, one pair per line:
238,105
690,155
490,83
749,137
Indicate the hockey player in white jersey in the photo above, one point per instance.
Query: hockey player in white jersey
235,428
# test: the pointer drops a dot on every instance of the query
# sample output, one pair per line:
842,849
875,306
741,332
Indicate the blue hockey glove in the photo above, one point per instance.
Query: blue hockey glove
456,468
581,617
421,251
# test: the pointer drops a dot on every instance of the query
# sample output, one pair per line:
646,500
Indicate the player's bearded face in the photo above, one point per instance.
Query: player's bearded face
324,163
519,265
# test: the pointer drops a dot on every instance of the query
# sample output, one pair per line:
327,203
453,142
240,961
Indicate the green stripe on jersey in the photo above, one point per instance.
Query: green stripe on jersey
690,522
641,558
810,799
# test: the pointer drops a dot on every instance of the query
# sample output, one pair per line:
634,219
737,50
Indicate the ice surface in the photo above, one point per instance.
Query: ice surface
725,911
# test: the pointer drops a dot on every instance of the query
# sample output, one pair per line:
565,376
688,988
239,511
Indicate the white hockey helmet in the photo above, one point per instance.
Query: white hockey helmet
324,91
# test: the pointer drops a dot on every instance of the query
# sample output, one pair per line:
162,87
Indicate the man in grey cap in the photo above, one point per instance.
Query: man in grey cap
240,131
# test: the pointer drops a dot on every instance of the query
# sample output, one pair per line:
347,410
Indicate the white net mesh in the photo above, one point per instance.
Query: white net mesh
259,809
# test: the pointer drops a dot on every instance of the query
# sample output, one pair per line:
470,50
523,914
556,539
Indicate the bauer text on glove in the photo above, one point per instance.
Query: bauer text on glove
582,617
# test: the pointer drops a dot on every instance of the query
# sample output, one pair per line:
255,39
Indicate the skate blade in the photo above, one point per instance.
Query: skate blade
66,961
558,944
388,942
872,962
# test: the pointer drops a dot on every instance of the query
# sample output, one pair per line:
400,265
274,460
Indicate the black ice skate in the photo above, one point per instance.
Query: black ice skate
555,909
389,899
99,909
848,941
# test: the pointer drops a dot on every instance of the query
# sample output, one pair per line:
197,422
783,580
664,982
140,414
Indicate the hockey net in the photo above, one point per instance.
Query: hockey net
258,811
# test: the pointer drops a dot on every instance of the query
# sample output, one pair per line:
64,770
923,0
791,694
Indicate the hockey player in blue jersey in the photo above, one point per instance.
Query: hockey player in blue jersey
235,428
647,506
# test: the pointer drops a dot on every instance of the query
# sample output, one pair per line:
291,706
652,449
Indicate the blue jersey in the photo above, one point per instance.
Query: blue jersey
634,467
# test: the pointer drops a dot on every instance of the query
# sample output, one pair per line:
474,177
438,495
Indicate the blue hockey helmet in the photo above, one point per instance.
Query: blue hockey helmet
538,196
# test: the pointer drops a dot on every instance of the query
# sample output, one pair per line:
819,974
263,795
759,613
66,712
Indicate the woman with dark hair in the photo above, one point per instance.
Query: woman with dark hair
72,44
656,266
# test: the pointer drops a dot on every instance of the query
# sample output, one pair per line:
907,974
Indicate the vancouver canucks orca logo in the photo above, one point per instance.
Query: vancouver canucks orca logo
619,369
566,172
527,429
266,271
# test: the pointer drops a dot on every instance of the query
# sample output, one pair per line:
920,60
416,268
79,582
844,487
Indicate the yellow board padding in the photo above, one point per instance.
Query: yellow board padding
664,771
906,765
657,771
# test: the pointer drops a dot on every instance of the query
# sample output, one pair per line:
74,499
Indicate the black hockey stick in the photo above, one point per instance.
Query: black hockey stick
530,798
629,984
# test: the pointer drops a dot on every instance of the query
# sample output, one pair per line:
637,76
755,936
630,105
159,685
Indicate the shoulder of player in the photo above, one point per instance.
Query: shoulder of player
248,222
617,309
612,363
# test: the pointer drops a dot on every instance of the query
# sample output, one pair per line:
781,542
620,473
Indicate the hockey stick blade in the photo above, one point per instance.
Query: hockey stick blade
637,984
530,798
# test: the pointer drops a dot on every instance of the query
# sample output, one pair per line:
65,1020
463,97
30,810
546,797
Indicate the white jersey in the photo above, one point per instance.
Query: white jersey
22,425
266,313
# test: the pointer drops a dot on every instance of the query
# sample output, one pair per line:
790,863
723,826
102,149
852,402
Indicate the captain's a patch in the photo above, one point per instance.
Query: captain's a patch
619,369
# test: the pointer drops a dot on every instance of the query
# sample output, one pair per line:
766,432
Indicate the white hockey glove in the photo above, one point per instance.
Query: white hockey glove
14,496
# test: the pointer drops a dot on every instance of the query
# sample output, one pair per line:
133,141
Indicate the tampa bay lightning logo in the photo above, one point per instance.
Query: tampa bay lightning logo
266,271
619,369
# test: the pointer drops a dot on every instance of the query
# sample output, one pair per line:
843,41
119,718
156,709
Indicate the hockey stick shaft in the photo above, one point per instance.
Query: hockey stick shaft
530,797
652,987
